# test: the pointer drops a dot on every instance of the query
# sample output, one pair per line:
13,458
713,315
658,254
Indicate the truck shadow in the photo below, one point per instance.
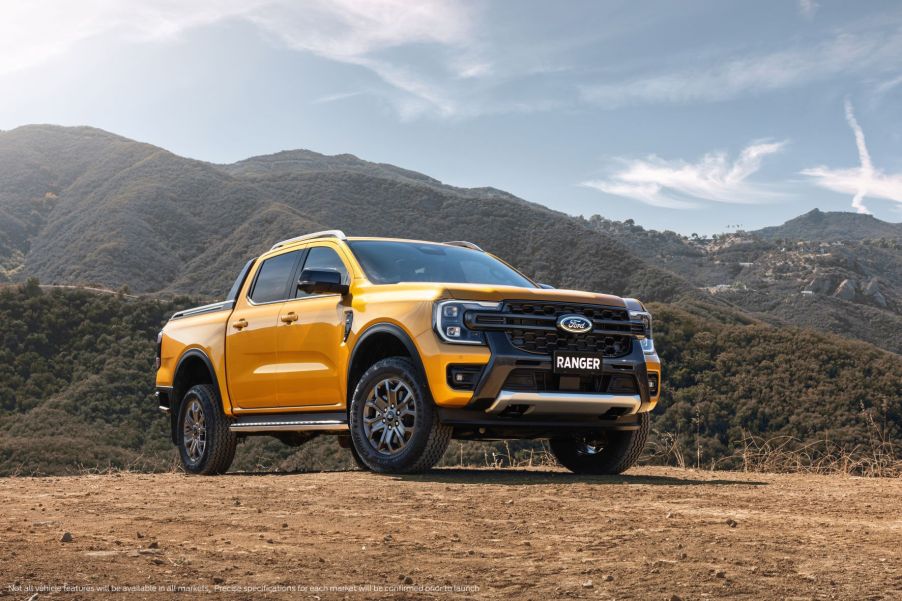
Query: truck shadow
520,477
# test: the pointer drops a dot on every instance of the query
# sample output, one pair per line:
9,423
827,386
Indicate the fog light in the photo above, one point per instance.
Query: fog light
653,384
463,377
450,311
452,331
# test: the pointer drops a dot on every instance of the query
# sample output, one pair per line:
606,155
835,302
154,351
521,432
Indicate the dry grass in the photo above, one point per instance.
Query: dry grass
879,457
784,454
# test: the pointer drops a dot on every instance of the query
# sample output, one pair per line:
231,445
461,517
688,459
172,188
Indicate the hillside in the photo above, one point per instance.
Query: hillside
76,384
85,207
82,206
851,287
832,227
653,534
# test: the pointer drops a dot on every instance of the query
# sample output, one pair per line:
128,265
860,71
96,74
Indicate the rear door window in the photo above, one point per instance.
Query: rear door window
273,280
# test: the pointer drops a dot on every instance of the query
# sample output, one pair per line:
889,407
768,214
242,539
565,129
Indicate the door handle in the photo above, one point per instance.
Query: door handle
289,317
240,324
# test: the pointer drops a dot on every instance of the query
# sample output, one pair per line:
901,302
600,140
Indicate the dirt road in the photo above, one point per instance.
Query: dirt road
653,534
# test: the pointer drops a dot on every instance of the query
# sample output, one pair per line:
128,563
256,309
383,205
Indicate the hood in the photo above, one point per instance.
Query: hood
488,292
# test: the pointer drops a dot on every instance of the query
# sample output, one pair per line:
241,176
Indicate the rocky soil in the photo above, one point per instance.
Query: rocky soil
655,533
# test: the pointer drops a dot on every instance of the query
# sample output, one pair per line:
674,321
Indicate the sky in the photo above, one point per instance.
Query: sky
694,116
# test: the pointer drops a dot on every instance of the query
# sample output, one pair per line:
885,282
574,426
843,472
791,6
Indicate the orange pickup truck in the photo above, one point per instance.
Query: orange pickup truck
398,346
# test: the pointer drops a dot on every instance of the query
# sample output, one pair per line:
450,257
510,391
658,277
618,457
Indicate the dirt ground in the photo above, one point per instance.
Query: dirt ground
485,534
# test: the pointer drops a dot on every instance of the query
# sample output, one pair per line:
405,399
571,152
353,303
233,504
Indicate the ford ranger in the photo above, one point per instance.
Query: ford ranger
398,346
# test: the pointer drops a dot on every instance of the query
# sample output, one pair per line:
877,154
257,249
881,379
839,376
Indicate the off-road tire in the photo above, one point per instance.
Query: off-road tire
357,460
619,452
220,443
430,438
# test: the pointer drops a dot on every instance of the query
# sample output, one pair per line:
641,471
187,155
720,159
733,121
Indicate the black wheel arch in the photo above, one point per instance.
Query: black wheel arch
193,367
379,341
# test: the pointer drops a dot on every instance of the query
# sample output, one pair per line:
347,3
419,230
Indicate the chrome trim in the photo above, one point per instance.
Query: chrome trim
251,302
562,324
290,426
565,403
220,306
164,408
464,244
324,234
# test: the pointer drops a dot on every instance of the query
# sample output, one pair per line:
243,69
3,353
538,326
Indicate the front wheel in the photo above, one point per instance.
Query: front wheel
206,445
393,420
607,453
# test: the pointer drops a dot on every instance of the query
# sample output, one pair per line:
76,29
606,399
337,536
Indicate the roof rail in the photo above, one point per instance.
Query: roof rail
464,244
324,234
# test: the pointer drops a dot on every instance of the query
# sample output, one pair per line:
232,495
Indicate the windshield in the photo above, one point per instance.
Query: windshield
390,262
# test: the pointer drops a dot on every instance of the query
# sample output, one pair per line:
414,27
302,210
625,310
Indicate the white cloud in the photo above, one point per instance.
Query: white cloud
808,8
887,85
863,181
680,185
37,31
474,69
349,31
335,97
441,58
730,78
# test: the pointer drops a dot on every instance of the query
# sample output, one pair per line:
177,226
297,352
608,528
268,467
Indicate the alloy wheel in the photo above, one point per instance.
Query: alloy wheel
195,431
389,416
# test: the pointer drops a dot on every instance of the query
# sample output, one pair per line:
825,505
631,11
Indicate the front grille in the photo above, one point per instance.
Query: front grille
545,343
531,327
557,309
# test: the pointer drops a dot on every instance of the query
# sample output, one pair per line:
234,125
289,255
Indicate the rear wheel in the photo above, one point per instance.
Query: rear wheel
393,420
206,445
608,453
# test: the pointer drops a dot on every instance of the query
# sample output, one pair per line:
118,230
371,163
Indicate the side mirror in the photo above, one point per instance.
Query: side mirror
321,281
546,286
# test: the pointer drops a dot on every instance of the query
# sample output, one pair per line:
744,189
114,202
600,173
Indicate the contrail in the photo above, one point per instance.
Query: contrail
866,173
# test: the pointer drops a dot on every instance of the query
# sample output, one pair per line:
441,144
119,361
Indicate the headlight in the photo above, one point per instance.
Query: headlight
647,341
448,321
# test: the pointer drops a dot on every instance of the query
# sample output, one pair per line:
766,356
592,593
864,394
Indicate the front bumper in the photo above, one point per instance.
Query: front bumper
495,410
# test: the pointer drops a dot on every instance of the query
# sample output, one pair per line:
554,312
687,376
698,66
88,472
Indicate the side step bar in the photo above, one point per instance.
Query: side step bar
291,422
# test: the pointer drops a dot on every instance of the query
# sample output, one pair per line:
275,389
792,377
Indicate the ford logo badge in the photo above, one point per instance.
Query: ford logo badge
574,324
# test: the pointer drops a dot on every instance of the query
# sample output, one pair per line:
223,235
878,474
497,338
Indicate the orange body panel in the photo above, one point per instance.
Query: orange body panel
274,364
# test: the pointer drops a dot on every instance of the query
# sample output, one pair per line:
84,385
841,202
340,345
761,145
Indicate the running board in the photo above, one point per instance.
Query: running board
291,422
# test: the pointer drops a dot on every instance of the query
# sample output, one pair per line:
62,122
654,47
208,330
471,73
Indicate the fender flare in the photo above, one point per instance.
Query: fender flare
397,332
176,402
196,352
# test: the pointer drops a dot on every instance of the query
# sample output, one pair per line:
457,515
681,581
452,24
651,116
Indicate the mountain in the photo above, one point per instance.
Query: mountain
832,227
850,287
82,206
